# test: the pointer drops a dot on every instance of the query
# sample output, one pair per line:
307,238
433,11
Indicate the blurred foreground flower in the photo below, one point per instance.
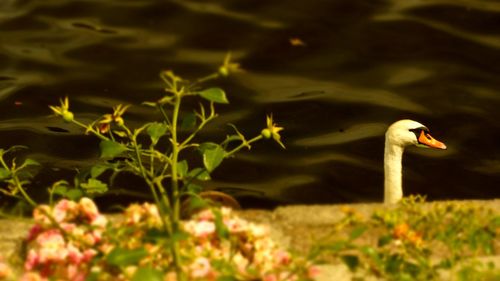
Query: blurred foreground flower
82,244
63,240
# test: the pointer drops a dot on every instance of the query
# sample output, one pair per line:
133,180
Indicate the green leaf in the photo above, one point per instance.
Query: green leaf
197,203
372,253
336,247
123,257
30,162
393,264
60,189
194,188
351,261
74,194
212,157
94,186
147,274
188,122
4,174
445,263
214,94
179,236
220,227
384,240
206,146
111,149
97,170
182,168
156,130
495,222
93,276
355,233
199,174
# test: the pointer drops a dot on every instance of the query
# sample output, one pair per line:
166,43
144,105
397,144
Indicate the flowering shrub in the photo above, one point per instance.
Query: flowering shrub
248,252
63,240
72,241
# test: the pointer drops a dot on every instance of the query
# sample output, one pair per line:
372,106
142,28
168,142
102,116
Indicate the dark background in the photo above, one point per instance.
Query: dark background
360,66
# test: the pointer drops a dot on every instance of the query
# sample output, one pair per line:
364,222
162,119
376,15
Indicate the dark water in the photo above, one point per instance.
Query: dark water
359,66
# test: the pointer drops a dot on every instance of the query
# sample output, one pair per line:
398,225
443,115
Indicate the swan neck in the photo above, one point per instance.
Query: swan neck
393,156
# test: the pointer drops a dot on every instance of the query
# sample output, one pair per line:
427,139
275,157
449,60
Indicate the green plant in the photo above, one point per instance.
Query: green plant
15,174
165,171
416,241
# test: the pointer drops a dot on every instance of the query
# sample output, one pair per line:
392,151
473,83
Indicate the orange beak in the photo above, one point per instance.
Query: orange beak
429,141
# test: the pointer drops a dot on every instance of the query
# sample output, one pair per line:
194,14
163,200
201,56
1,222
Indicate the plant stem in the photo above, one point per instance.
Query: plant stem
96,133
243,144
164,114
206,78
21,189
175,217
145,176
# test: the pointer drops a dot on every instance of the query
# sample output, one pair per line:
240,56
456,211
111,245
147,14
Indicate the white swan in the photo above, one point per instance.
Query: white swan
399,135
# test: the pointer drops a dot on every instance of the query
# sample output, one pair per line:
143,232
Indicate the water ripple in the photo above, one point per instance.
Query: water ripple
275,88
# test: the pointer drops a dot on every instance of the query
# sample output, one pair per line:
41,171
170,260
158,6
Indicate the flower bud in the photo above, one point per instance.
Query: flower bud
67,116
119,121
266,133
224,71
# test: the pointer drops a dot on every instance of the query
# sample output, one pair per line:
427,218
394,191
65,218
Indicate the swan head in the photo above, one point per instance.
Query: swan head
405,133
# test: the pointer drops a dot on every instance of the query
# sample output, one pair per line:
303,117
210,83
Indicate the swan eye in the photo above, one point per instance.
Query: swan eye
419,131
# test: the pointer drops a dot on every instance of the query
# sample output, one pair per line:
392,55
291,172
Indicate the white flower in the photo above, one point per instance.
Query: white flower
201,228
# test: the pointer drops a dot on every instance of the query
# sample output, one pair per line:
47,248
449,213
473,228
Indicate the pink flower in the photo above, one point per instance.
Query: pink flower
88,207
200,268
32,260
282,257
88,254
205,215
74,255
270,277
70,228
40,214
236,225
313,271
99,221
51,246
62,209
34,231
74,273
